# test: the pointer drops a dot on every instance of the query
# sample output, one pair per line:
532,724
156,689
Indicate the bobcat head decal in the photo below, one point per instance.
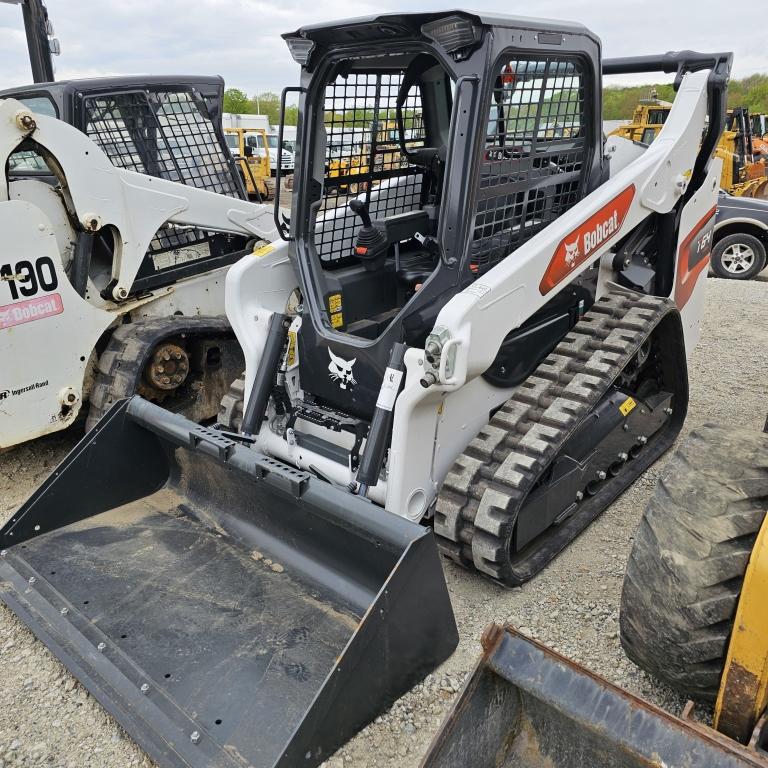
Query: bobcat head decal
572,252
341,371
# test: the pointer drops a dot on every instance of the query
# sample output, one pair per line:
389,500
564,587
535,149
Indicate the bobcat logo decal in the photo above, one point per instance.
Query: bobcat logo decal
572,252
341,371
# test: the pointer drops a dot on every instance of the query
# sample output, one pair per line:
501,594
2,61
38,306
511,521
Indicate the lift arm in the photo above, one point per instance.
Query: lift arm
135,206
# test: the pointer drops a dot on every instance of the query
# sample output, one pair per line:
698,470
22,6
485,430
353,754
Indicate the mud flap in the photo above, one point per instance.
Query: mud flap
227,609
525,706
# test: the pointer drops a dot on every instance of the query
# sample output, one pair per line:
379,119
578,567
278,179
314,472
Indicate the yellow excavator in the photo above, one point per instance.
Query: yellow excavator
743,155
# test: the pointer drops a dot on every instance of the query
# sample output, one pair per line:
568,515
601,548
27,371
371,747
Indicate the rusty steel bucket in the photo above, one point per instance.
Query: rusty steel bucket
525,706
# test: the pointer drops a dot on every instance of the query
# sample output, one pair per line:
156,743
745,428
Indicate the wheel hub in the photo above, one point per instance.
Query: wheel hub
168,367
738,258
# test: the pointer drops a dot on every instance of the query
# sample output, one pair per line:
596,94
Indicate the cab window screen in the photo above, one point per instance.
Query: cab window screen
535,149
363,156
167,134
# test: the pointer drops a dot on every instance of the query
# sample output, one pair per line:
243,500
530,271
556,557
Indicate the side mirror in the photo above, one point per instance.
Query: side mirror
248,150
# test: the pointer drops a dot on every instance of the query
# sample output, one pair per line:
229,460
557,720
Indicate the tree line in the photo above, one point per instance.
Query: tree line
618,101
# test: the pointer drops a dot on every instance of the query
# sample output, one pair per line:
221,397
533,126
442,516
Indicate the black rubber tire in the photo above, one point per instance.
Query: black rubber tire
130,346
741,238
690,553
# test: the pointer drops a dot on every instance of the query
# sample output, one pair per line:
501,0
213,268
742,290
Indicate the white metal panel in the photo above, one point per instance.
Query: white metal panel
45,339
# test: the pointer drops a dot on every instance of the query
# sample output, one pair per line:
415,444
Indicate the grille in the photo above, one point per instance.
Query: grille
363,157
535,148
168,135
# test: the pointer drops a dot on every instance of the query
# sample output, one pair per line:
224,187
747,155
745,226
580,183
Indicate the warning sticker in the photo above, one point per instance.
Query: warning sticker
627,406
263,251
389,389
337,320
334,302
291,358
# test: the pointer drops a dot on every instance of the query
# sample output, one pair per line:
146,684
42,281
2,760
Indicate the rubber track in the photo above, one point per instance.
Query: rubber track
488,484
129,349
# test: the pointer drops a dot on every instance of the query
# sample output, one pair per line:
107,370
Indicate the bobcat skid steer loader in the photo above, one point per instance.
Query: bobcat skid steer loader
83,325
489,334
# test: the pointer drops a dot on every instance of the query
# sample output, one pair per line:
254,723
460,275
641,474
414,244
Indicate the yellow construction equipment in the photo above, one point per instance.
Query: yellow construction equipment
253,160
357,156
744,169
693,613
693,605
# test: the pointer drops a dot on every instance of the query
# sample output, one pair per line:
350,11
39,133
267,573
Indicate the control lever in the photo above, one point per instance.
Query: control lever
361,209
371,244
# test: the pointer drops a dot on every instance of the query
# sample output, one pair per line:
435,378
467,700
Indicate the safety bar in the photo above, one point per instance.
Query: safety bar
673,61
282,228
681,62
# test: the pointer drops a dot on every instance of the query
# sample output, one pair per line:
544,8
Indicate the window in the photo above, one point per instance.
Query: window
28,162
164,134
232,141
42,105
657,116
649,134
363,156
535,149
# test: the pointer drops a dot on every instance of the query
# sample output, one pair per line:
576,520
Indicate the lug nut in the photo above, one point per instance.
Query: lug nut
32,579
579,495
144,689
601,475
100,647
668,411
623,456
194,737
642,439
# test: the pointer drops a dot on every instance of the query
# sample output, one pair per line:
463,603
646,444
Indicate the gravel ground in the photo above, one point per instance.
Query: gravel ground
46,718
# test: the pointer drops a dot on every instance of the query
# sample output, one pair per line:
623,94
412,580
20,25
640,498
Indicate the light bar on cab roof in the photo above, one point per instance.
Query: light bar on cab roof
453,33
300,49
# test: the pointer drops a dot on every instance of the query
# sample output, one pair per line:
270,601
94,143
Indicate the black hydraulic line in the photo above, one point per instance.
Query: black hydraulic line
265,375
81,263
376,445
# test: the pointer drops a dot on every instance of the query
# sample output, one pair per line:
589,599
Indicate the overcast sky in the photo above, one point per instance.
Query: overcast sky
240,39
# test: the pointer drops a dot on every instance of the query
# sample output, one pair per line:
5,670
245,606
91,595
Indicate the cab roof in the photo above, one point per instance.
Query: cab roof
363,27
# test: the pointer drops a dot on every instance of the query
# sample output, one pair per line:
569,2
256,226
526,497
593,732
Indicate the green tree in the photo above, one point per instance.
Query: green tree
237,102
619,101
267,104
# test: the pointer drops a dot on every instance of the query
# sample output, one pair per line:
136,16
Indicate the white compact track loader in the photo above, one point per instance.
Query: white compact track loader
86,315
476,321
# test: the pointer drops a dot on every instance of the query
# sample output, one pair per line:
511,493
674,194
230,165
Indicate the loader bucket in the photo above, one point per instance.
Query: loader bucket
525,706
228,610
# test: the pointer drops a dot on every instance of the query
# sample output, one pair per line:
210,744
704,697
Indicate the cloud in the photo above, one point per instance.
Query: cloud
240,39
